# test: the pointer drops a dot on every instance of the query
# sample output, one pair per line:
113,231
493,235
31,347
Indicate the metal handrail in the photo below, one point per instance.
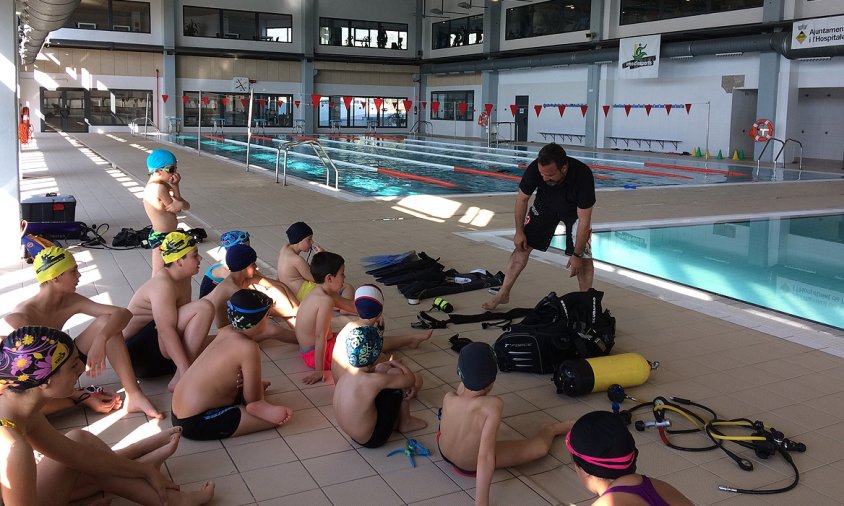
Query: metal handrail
416,127
765,148
795,141
497,124
133,124
320,153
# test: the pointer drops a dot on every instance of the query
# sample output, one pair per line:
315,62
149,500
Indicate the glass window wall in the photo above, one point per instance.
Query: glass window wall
643,11
450,105
458,32
233,110
356,33
547,18
118,107
362,112
111,15
236,24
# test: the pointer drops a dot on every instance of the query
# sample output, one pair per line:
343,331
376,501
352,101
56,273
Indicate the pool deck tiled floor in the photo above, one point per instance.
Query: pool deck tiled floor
739,360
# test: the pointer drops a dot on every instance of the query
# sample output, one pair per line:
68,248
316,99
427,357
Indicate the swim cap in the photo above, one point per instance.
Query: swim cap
159,159
298,231
176,245
51,262
601,445
246,308
239,257
363,346
30,355
369,301
476,366
229,239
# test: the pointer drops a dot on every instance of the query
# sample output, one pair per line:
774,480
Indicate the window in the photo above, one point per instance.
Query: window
450,104
111,15
119,107
642,11
355,33
547,18
275,110
362,111
235,24
458,32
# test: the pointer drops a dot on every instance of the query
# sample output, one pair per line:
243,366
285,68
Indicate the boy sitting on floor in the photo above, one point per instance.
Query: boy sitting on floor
369,304
208,402
469,421
372,400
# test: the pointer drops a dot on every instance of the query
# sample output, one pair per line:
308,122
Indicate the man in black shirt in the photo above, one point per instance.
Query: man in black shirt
565,192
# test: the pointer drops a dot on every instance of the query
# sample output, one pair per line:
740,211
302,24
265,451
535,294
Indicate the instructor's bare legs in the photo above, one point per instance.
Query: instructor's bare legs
515,265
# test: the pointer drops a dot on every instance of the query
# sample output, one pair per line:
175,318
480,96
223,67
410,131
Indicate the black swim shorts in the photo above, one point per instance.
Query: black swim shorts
540,225
216,423
388,406
145,354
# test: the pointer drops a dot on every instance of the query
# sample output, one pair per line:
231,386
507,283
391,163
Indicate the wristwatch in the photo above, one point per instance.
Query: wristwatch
578,255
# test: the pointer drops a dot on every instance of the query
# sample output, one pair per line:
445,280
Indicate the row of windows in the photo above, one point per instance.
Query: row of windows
450,105
355,33
458,32
643,11
113,15
234,24
363,112
233,110
547,18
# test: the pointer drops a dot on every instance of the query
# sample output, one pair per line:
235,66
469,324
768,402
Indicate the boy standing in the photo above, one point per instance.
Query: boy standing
469,422
207,402
162,200
370,401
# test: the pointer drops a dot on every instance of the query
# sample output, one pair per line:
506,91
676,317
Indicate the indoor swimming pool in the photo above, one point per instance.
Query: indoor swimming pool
791,265
387,166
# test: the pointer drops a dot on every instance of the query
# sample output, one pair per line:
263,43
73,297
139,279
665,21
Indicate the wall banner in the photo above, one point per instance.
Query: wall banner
638,57
820,32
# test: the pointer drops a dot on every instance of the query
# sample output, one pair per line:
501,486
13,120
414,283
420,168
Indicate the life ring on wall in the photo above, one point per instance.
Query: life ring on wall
762,130
483,119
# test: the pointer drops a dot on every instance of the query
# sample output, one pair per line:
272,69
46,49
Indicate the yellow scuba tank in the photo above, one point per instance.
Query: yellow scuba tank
586,375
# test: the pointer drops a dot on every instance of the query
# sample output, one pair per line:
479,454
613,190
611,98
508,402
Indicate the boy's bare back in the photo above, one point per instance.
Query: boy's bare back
354,403
314,317
464,420
292,269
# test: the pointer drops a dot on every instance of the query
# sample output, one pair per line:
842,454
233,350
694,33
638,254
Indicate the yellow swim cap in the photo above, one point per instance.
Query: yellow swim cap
175,246
51,262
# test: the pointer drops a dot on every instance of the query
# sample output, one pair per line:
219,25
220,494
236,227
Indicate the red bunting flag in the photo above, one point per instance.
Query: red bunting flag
461,106
562,109
378,103
164,98
243,102
538,109
688,108
407,105
583,109
513,108
488,109
627,109
281,101
185,99
424,104
348,102
224,100
262,102
668,109
435,106
205,100
648,109
296,103
606,110
315,99
331,104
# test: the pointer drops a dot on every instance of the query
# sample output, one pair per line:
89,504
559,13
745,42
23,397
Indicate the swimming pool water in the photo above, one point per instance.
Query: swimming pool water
791,265
400,167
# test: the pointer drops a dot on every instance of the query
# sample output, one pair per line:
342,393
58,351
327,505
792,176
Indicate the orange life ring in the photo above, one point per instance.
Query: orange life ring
483,119
762,130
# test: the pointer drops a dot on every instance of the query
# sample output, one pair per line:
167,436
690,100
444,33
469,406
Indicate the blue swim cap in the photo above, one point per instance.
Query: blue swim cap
159,159
363,346
239,257
229,239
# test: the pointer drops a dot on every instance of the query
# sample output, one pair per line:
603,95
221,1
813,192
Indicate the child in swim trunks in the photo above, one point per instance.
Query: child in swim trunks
469,421
604,455
218,272
294,272
369,304
208,403
162,200
370,401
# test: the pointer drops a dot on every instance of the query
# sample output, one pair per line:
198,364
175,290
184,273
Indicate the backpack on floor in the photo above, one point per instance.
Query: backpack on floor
539,342
593,326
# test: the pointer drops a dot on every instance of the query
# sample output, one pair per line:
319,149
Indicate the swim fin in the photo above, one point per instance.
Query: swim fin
377,261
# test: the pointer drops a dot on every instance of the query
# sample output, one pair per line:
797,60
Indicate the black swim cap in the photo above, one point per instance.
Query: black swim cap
246,308
298,231
601,445
239,257
477,366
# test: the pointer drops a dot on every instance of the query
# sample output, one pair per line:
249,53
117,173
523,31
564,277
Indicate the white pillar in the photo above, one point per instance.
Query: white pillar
10,215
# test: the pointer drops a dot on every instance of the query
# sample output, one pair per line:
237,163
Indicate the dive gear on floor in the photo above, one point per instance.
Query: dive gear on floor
582,376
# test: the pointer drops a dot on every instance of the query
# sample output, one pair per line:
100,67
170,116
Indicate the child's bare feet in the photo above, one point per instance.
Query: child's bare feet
549,431
195,497
278,415
419,337
100,402
411,424
162,453
140,403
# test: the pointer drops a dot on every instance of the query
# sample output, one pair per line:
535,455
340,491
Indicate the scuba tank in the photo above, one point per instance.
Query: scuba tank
586,375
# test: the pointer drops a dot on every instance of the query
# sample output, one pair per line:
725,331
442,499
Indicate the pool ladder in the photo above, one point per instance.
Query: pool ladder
417,128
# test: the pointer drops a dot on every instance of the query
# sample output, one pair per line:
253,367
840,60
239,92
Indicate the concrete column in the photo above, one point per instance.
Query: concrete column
785,119
10,214
492,27
766,101
593,85
169,14
308,32
489,93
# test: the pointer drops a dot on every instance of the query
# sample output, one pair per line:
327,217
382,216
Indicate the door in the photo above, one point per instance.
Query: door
521,119
743,115
64,110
